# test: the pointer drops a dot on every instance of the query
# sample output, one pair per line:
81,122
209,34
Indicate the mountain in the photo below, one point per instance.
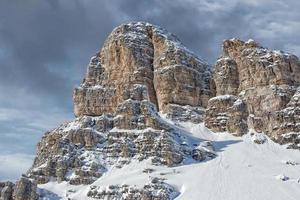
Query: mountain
154,121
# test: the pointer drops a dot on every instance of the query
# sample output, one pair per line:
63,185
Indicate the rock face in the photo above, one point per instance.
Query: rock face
265,81
6,190
141,69
177,112
142,54
24,189
286,122
227,113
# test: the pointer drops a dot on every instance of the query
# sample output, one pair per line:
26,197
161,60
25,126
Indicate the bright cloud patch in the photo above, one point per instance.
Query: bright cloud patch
13,165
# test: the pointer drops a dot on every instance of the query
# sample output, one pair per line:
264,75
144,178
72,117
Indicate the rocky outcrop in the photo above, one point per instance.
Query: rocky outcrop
264,80
6,190
156,189
286,123
258,66
227,113
142,54
226,77
204,150
141,69
216,115
24,189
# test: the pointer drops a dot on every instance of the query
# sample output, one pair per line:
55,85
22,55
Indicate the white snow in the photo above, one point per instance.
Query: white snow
249,41
223,97
259,138
238,102
242,169
138,131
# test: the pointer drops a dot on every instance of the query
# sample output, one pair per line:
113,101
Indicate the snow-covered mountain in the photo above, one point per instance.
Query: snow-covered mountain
154,121
242,169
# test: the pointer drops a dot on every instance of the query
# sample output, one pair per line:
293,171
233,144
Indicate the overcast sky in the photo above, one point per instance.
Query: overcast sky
46,44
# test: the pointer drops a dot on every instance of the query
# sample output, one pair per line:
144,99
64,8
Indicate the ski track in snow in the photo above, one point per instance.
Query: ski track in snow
242,170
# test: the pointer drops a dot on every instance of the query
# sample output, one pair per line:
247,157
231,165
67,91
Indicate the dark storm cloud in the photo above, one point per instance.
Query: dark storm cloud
45,46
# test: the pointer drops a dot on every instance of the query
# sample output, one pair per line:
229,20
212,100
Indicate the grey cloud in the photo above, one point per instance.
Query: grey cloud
203,25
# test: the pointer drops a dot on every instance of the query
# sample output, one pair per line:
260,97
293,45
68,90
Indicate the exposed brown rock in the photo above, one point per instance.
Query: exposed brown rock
24,189
258,66
216,115
226,113
226,76
265,80
177,112
237,118
286,123
142,54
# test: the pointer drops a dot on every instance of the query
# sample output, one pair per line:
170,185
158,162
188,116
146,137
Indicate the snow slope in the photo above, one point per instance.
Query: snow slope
242,170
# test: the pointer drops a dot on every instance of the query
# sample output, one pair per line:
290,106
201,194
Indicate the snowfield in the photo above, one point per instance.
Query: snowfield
242,170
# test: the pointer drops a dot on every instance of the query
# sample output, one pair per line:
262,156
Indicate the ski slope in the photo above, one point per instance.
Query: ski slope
242,169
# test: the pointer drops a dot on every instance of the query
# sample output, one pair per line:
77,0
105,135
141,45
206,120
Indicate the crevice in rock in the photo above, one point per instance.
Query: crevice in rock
153,73
290,67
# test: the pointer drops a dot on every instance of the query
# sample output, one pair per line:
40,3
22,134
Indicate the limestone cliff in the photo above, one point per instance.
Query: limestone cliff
265,81
142,54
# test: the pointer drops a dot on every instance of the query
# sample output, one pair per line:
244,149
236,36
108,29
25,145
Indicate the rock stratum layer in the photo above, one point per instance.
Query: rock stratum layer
143,74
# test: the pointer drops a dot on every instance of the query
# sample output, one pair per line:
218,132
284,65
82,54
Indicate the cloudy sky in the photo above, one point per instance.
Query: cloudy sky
46,44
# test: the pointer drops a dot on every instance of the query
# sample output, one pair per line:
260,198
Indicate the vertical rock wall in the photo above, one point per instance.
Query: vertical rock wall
265,81
143,54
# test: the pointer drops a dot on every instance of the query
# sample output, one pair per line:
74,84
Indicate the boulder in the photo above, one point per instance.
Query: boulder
25,189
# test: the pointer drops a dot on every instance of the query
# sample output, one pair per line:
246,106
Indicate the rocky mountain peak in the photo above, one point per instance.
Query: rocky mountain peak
263,81
142,93
142,61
